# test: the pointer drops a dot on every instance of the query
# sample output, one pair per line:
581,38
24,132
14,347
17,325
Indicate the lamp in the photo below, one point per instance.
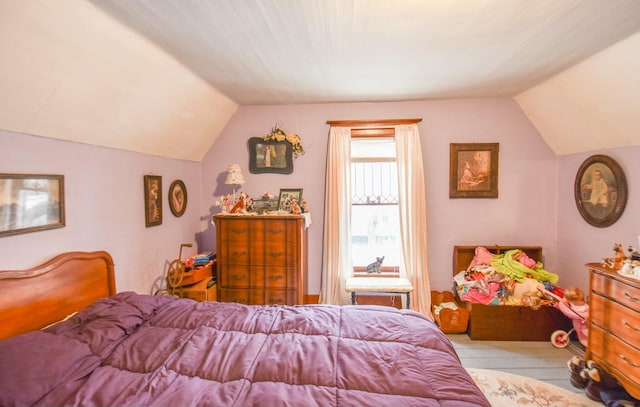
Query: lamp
234,177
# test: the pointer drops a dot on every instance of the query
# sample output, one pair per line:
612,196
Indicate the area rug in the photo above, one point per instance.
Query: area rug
509,390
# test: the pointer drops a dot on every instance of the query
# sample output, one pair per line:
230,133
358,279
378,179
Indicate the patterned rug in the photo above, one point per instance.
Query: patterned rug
509,390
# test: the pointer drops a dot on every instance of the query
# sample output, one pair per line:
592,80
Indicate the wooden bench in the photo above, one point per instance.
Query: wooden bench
379,285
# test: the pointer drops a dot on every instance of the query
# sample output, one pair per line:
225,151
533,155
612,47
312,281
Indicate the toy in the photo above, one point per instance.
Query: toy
574,307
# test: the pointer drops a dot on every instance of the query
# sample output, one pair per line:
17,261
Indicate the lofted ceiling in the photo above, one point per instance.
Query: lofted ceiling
572,65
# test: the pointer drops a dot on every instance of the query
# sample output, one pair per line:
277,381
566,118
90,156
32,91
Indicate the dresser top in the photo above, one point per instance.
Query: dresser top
613,273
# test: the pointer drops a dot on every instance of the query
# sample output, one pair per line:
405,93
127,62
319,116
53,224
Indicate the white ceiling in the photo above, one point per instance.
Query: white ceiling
79,69
304,51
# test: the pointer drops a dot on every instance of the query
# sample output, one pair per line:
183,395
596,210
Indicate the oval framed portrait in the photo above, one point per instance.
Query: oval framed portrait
178,198
600,190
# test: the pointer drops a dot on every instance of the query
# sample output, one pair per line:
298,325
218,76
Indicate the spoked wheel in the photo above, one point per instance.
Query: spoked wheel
560,339
175,274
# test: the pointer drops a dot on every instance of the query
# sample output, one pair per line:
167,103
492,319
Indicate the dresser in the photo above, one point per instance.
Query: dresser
614,328
261,259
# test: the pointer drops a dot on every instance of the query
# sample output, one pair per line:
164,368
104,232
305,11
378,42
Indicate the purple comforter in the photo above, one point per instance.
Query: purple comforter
138,350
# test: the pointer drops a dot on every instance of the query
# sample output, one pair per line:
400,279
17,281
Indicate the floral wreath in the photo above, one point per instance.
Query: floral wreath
277,134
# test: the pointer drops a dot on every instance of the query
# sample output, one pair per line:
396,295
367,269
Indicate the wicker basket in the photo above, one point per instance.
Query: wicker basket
449,320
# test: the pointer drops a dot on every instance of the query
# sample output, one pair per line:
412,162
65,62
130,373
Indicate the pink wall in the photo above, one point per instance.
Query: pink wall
578,241
104,201
105,209
524,214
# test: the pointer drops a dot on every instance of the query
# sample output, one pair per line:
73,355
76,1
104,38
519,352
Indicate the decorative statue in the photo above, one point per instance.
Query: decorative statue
375,266
241,204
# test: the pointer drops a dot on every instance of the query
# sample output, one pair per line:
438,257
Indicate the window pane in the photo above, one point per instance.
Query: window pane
375,220
373,147
375,232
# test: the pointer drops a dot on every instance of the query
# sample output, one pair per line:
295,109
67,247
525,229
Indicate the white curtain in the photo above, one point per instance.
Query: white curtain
337,265
336,257
413,215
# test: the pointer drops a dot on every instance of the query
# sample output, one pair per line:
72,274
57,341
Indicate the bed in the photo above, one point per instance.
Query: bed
507,322
130,349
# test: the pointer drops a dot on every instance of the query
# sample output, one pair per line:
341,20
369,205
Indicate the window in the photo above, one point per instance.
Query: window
375,217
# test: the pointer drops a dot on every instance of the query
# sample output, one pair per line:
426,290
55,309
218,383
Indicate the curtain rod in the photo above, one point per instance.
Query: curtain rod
377,122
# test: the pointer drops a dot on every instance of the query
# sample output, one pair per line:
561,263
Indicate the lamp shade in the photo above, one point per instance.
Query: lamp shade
234,175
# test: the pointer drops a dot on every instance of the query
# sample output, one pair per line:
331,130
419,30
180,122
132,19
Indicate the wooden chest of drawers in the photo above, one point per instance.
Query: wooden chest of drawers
261,259
614,328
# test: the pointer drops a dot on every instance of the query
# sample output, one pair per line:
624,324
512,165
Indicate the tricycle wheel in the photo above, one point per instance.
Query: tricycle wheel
560,339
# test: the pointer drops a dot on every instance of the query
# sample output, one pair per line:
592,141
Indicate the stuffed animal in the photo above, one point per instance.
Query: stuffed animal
597,380
577,366
375,266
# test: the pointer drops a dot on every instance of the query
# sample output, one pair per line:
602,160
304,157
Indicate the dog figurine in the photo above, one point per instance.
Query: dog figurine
375,266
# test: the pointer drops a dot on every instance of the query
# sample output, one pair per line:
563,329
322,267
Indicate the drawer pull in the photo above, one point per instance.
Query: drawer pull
276,254
634,364
276,231
631,297
628,325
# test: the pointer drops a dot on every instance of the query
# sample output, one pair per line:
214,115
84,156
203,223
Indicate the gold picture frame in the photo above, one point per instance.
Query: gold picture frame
600,190
152,200
473,170
31,203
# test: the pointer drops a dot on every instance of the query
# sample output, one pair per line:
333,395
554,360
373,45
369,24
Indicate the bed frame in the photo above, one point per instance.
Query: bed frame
34,298
507,322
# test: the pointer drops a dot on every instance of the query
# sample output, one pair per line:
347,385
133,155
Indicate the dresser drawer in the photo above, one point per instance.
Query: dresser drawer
618,290
626,323
235,230
617,354
229,253
276,230
275,297
234,295
234,276
275,254
256,297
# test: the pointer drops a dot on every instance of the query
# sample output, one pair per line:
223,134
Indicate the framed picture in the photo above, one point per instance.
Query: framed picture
31,202
177,198
600,190
287,196
263,205
270,156
473,170
153,200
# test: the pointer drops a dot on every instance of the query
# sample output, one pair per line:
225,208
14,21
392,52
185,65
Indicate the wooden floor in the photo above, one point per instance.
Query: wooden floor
538,360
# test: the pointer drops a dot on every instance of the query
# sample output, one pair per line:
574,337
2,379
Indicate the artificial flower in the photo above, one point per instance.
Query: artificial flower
277,134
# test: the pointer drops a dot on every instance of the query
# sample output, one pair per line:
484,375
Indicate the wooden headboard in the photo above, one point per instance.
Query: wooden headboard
34,298
462,255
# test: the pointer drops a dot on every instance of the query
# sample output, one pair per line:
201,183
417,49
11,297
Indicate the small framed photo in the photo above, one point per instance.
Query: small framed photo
270,156
287,196
473,170
600,190
177,198
153,200
30,203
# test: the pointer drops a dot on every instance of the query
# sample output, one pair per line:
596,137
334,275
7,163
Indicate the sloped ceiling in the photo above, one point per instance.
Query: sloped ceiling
129,74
